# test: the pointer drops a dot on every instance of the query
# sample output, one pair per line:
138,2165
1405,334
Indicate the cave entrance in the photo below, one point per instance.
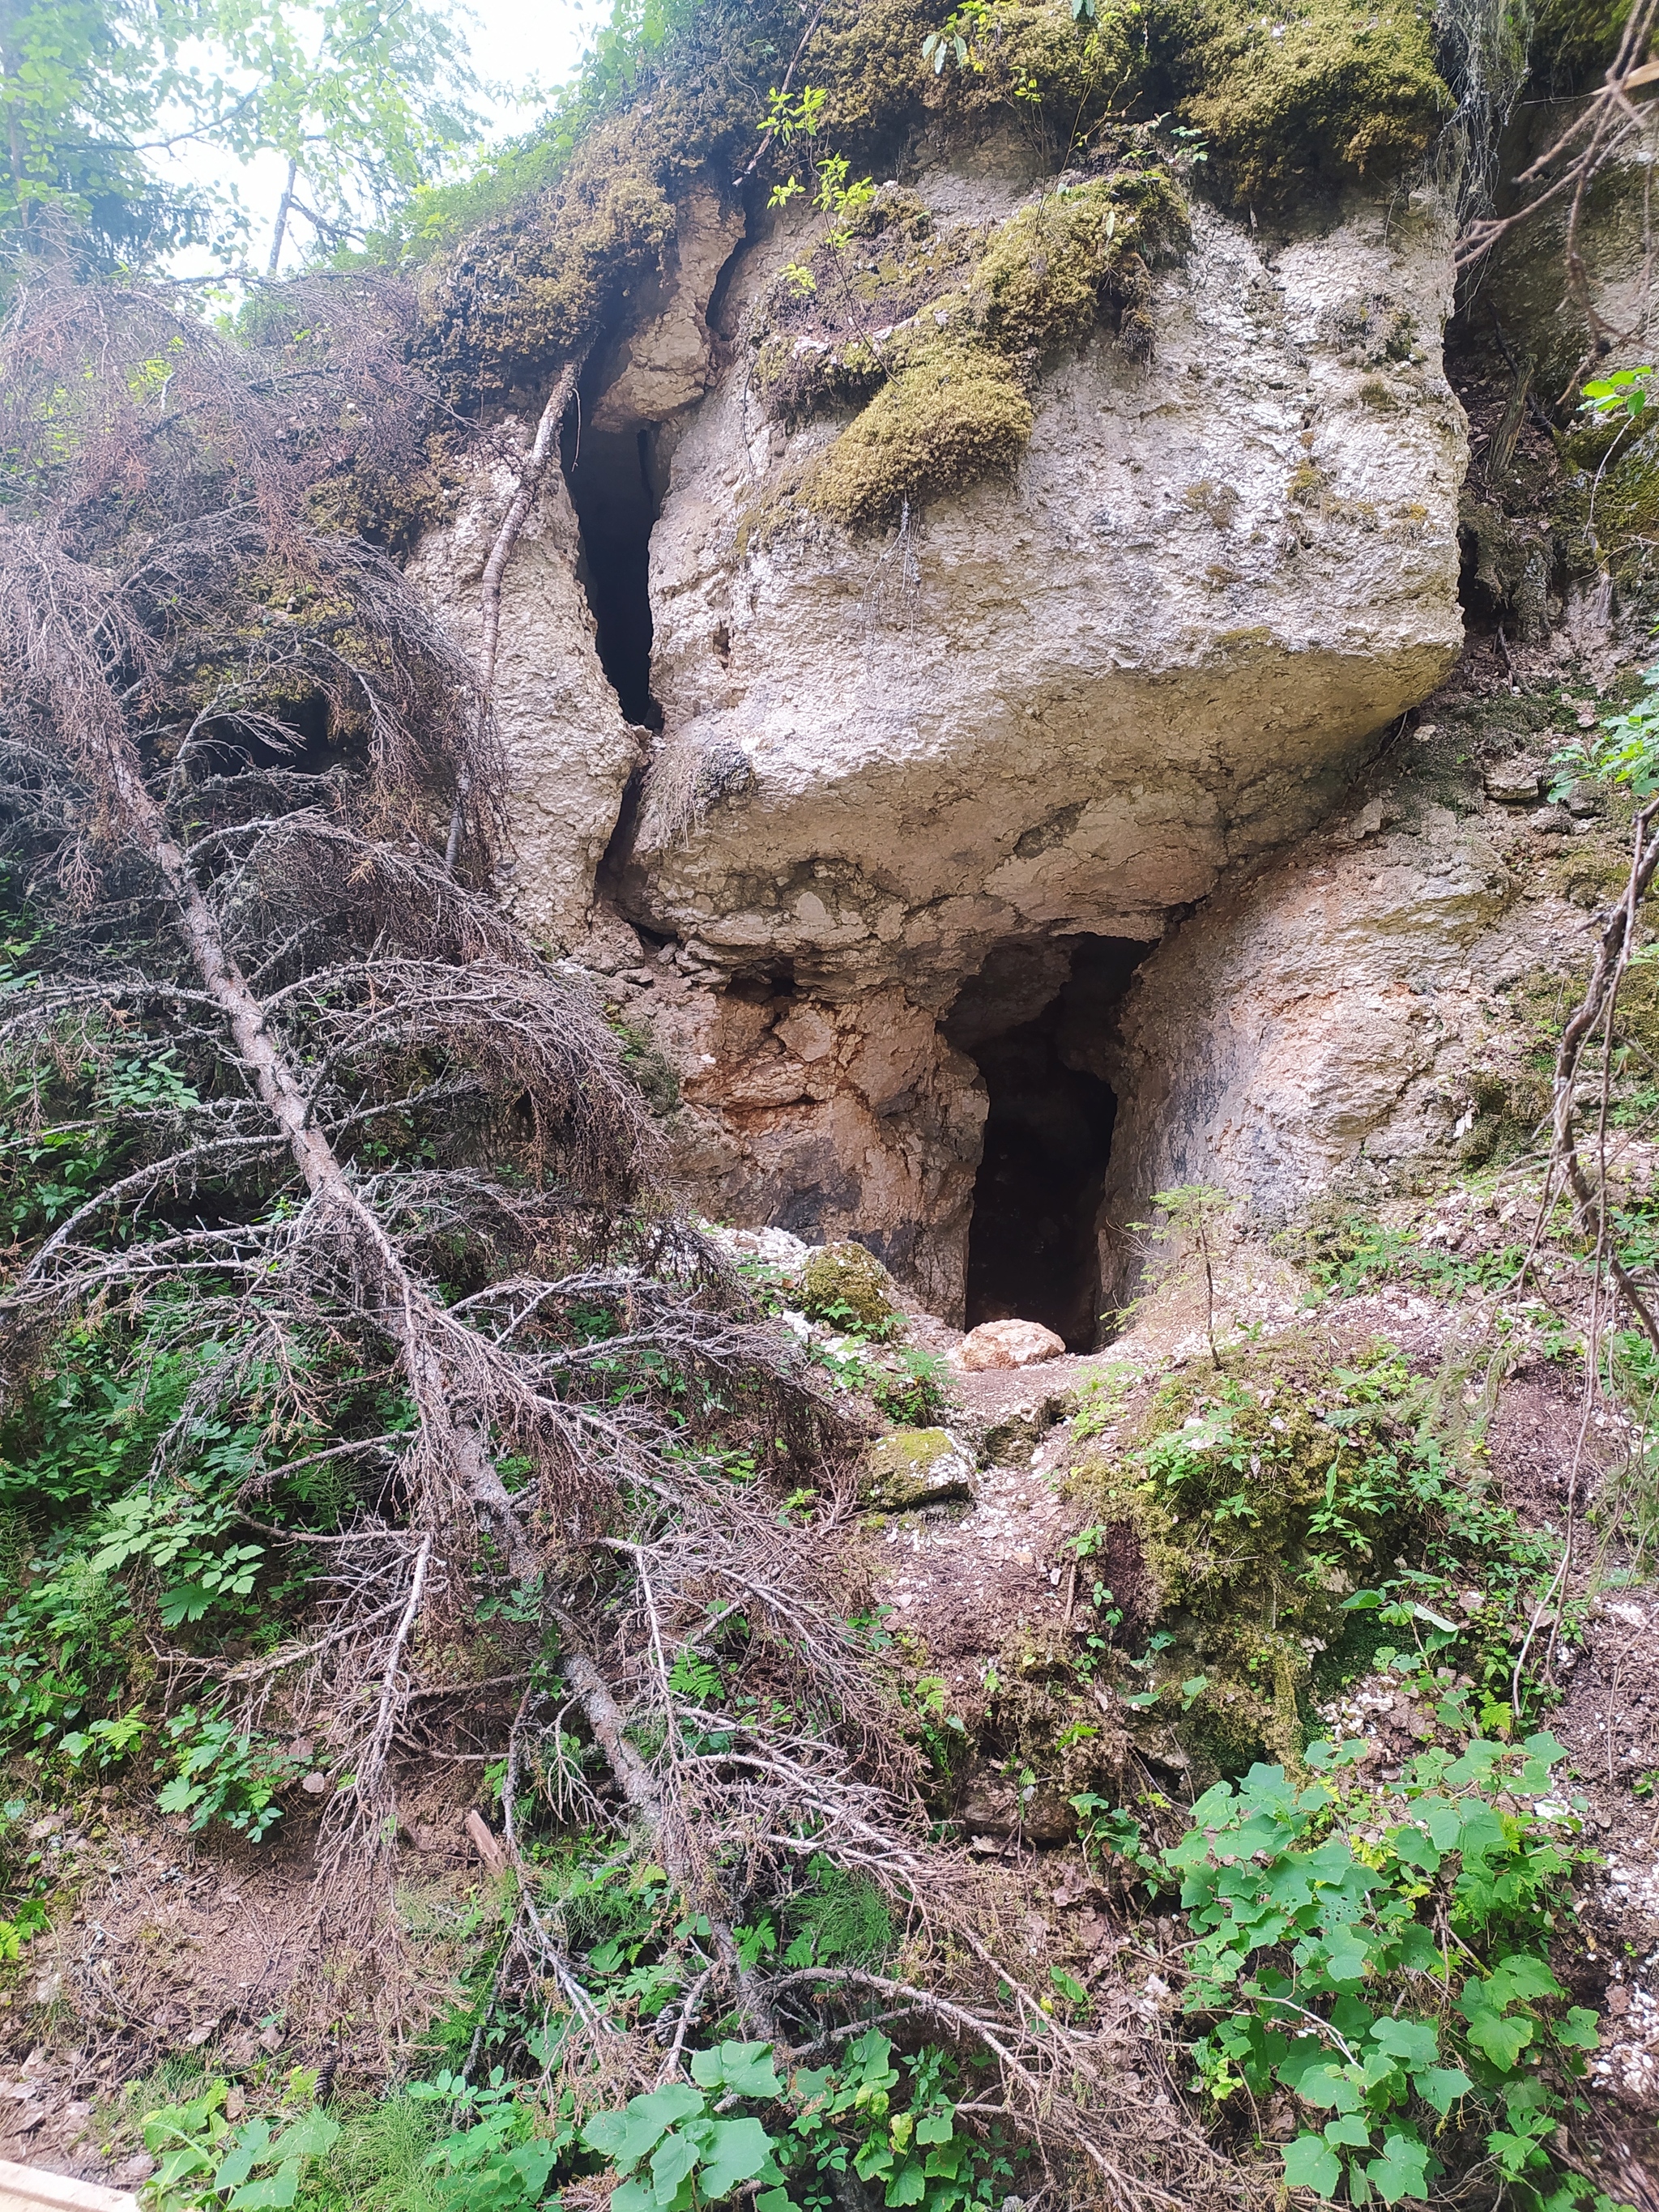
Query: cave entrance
612,475
1040,1022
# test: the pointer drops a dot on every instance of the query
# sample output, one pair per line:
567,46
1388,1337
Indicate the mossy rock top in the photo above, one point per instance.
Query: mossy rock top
844,1283
914,1467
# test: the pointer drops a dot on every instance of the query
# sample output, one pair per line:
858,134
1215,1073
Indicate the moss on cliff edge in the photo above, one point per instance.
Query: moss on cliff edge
945,391
1317,91
577,222
533,284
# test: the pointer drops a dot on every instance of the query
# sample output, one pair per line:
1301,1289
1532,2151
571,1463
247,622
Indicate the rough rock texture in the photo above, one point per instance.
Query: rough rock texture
1001,1344
913,1467
829,1120
1101,682
1526,285
1326,1017
571,751
666,361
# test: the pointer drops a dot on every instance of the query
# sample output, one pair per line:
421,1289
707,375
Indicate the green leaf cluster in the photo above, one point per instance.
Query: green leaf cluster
690,2156
1380,1952
202,2162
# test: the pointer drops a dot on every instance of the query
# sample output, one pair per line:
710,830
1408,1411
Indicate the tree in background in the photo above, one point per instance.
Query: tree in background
366,100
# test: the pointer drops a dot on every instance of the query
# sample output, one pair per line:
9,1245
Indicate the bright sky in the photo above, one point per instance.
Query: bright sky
519,48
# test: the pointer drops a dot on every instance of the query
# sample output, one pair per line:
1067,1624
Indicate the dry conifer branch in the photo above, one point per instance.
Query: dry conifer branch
1608,127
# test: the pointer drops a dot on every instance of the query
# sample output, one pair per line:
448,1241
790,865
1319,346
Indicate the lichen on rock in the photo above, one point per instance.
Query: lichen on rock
914,1467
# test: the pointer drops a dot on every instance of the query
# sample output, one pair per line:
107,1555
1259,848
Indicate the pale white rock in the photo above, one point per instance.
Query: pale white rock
569,751
1006,1344
664,361
1148,656
773,1247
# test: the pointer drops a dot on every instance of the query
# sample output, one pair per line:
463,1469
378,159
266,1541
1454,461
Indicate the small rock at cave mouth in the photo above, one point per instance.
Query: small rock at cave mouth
1008,1344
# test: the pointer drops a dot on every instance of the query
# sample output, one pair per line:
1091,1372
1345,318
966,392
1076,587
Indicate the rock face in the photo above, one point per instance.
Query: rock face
909,789
664,363
1330,1016
571,751
1064,704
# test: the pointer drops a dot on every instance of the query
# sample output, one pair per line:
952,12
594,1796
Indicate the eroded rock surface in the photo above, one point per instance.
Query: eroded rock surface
569,749
1093,687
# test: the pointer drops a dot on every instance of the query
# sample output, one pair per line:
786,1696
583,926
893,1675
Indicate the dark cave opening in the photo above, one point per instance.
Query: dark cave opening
1039,1020
612,475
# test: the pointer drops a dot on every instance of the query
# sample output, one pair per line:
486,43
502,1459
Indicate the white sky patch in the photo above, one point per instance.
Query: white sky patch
522,50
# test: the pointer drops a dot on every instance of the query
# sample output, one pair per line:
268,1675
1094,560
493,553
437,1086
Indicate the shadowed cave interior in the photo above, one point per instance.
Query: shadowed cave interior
612,475
1039,1021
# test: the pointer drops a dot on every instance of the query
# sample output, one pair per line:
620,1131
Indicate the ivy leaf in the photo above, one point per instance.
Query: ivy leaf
672,2159
626,2136
1414,2041
1349,2128
1403,2170
273,2194
1310,2163
743,2069
1521,1975
908,2186
1440,2086
1502,2040
1578,2029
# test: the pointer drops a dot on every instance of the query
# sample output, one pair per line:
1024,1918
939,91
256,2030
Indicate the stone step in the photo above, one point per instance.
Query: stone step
32,2189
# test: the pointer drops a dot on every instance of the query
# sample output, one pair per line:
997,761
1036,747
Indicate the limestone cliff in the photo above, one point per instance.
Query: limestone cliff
1016,759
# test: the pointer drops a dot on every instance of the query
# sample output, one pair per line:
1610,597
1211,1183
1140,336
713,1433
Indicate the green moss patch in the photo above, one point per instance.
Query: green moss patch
847,1285
1247,1509
957,415
1321,91
943,386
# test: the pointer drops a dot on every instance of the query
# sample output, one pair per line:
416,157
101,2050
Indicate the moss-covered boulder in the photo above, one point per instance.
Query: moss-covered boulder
845,1284
914,1467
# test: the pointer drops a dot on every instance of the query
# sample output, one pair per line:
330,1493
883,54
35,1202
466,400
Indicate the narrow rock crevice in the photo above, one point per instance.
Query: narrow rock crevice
612,475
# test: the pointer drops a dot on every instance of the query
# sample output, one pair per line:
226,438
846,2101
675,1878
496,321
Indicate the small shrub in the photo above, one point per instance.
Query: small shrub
1379,1952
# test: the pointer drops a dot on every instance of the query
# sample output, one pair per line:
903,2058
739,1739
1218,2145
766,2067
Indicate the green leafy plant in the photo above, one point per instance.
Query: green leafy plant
493,2161
1622,396
690,2157
1378,1951
1624,750
220,1774
202,2162
889,2123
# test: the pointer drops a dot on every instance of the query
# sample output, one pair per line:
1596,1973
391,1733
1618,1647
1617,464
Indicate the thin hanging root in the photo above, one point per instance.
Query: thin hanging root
1595,1011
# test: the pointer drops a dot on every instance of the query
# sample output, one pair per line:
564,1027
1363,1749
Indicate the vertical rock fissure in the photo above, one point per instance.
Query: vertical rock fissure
613,488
